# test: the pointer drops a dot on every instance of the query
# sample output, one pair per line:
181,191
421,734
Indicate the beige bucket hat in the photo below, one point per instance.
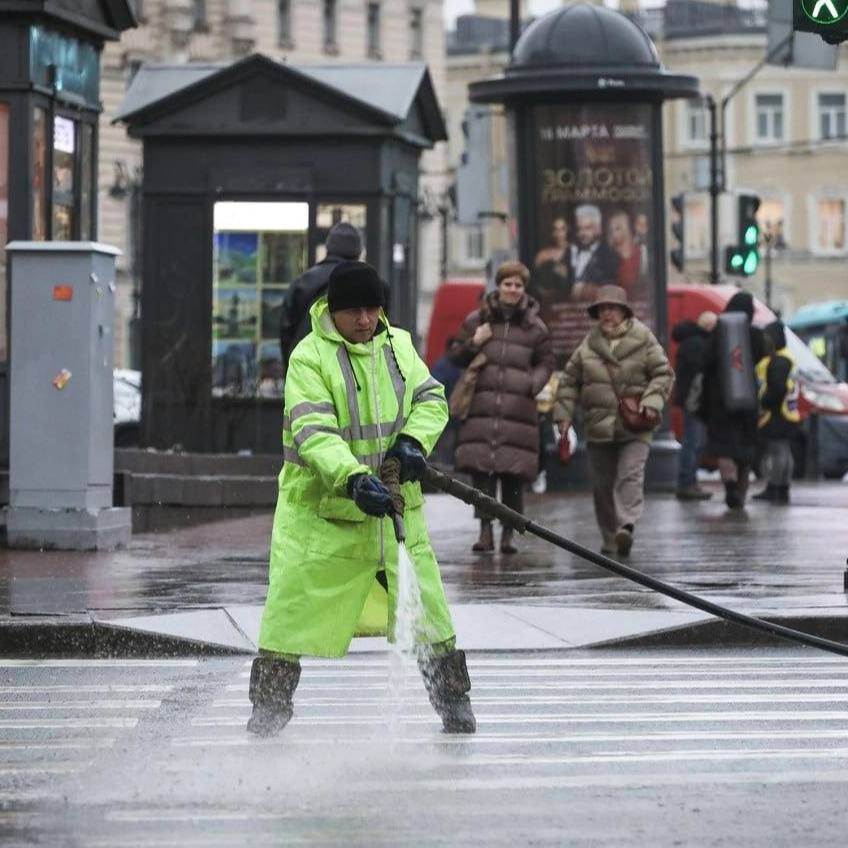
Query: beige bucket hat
614,295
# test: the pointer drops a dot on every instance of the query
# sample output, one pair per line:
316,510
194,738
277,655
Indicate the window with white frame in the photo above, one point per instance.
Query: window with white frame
831,115
373,30
284,23
769,116
416,32
697,227
771,216
830,223
695,131
474,245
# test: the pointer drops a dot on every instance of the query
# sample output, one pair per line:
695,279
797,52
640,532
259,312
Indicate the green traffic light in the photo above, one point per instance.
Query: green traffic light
752,260
752,234
737,260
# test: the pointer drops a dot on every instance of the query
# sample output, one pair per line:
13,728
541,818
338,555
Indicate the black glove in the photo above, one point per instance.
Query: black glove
412,462
370,495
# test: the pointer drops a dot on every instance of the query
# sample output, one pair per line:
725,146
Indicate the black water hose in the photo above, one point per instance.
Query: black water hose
522,524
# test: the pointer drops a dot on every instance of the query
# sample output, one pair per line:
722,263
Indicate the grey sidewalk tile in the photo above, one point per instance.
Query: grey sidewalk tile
212,626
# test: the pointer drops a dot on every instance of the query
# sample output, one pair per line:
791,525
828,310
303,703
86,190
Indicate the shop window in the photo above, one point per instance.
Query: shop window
832,115
64,178
86,229
373,31
831,226
258,249
39,174
330,214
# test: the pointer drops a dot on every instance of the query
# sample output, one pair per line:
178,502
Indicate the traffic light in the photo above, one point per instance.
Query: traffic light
827,18
678,229
743,258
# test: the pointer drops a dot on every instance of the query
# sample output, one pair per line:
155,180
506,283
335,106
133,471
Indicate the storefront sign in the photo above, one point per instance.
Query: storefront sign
75,63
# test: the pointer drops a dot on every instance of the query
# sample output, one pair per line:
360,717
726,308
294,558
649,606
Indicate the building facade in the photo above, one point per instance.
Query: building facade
786,141
300,31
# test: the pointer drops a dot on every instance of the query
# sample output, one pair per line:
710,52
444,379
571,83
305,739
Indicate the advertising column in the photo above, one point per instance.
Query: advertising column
594,207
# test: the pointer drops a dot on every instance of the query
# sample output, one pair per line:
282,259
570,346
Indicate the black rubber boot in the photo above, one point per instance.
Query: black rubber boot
732,496
272,684
782,495
447,682
767,494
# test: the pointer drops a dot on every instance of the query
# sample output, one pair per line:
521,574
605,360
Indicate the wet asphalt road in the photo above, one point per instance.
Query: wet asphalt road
626,748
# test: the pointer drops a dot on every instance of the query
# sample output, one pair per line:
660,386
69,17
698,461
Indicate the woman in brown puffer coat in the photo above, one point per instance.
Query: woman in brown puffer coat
499,439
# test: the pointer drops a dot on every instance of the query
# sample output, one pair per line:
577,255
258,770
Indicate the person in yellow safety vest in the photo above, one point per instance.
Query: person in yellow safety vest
779,418
356,392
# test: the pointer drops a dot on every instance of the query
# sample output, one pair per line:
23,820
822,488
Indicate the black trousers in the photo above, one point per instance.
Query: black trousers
512,489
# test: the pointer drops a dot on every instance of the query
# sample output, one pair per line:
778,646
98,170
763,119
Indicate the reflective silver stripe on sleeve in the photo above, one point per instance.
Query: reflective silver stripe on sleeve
352,397
286,424
292,456
399,387
425,387
308,407
372,460
430,396
310,430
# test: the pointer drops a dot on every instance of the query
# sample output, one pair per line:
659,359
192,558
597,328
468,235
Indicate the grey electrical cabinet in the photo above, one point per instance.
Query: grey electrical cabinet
61,433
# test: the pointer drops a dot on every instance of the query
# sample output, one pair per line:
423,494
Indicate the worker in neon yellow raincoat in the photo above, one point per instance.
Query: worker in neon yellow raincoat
356,391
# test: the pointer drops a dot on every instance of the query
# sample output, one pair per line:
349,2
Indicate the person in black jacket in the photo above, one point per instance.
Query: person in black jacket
779,417
343,244
692,339
731,436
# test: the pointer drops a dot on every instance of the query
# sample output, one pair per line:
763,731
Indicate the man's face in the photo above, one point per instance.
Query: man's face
642,224
358,324
588,231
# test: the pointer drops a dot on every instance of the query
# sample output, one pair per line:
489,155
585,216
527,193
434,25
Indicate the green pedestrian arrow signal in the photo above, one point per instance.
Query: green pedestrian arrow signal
825,12
827,18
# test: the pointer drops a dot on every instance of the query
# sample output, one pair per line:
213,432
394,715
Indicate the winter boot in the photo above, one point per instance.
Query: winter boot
447,683
486,543
782,495
506,542
732,497
624,539
272,684
767,494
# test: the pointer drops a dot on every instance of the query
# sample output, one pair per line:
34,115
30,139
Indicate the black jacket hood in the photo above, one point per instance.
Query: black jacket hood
742,301
776,332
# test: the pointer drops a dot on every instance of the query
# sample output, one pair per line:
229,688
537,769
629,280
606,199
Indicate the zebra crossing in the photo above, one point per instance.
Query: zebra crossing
155,752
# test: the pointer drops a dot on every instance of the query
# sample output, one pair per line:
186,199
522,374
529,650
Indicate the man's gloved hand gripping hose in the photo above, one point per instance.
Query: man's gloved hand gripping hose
522,524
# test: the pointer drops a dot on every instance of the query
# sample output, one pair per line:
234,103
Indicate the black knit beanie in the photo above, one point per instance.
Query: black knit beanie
353,285
344,240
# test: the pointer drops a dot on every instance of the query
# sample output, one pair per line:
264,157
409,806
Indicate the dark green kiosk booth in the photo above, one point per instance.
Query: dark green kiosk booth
246,168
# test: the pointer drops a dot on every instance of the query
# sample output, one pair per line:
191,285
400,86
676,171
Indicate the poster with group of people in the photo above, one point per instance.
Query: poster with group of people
594,202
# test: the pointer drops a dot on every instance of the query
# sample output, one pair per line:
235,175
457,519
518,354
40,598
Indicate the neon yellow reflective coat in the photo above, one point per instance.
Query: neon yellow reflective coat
345,405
